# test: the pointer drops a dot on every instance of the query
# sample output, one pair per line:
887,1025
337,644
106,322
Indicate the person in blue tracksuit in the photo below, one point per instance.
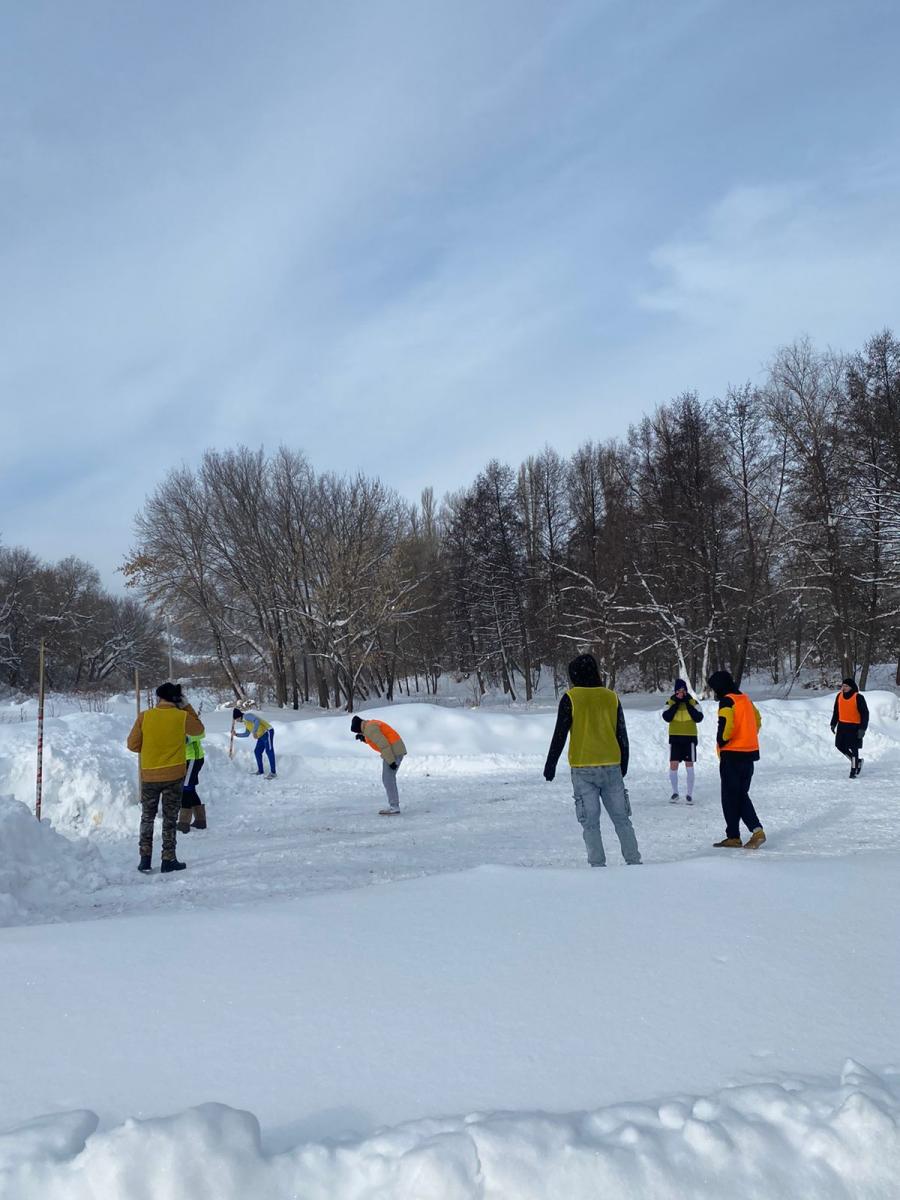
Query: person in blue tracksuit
265,739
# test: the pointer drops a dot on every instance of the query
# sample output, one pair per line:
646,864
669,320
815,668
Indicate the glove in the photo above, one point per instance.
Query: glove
393,766
360,737
834,729
549,773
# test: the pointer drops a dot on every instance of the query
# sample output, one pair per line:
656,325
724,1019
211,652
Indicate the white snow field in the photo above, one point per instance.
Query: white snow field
449,1004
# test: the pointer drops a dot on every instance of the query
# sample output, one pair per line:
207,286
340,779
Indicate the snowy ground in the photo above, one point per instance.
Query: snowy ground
649,1032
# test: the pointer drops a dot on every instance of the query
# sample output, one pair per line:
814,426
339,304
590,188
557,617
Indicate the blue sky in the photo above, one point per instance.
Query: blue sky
409,237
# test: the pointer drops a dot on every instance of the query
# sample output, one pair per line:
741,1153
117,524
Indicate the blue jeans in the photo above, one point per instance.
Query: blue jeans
591,785
265,743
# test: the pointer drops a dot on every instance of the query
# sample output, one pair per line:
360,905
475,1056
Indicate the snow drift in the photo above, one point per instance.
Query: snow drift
835,1140
41,872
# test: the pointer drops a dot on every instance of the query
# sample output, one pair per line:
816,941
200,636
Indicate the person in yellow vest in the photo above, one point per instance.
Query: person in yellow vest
682,714
737,744
193,810
590,716
849,722
265,739
159,737
380,737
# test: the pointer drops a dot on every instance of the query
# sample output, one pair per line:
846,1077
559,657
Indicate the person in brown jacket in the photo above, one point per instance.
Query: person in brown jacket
158,735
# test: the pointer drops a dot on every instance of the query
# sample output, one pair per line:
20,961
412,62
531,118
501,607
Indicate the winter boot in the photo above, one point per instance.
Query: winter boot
756,839
144,865
673,799
199,817
389,812
171,864
730,843
184,820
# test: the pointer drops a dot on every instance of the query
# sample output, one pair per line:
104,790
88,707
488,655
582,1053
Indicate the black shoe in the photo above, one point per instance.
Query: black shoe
144,864
859,763
171,864
853,772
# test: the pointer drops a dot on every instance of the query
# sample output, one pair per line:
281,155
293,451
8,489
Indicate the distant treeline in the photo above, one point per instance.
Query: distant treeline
92,638
759,530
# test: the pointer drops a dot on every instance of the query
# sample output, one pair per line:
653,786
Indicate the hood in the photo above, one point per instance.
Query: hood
721,682
584,672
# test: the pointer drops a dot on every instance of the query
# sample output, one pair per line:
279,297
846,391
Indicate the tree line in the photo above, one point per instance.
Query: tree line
757,531
92,638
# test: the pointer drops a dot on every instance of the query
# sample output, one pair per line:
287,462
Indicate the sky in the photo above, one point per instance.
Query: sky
409,236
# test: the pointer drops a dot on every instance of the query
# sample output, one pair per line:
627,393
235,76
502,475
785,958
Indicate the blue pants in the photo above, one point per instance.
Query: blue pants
265,744
592,785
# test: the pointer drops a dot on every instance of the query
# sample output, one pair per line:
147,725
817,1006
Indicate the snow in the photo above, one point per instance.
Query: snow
363,987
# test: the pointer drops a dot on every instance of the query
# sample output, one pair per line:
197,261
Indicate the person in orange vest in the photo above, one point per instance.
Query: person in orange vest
737,744
387,742
849,722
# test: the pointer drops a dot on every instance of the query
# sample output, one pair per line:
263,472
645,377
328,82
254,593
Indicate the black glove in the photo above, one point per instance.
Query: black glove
549,773
360,737
393,766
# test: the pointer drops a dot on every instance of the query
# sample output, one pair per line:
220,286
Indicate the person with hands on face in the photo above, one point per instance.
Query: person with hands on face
386,741
590,716
682,714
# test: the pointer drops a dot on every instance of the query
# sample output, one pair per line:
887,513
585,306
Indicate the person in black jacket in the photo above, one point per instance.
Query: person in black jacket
682,714
849,722
590,716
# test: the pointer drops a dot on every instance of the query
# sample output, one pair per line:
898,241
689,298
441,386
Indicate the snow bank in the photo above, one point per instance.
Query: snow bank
837,1140
795,733
41,872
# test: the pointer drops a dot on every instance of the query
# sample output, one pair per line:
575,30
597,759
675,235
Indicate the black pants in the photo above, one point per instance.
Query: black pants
189,797
848,740
735,772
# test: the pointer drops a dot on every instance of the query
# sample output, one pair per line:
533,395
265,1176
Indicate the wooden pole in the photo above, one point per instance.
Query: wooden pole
39,787
137,700
231,742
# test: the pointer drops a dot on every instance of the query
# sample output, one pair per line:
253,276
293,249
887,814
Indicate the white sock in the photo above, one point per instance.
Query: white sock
673,779
690,780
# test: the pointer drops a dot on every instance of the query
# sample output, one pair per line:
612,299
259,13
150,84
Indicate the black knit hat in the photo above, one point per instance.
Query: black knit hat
356,725
236,714
584,672
170,692
721,682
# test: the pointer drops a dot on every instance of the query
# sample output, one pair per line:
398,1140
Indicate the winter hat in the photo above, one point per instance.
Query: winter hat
850,682
584,672
170,692
356,725
236,714
679,684
721,683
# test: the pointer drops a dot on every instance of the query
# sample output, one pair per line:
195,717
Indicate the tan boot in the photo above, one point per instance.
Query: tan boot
183,824
199,816
756,839
729,844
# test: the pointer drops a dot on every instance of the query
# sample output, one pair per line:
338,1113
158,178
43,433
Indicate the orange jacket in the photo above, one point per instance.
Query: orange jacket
383,740
739,725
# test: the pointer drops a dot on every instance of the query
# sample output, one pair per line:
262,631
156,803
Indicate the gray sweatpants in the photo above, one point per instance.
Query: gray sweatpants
389,779
591,785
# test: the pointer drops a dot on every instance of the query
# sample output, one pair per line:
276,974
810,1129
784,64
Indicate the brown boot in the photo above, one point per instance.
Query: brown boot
729,844
184,820
756,839
199,817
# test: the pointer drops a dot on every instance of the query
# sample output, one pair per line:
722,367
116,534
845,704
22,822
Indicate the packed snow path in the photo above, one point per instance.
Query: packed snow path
529,987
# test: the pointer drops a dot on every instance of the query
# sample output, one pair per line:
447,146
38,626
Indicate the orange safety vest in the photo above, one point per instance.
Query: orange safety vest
848,709
391,734
744,734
